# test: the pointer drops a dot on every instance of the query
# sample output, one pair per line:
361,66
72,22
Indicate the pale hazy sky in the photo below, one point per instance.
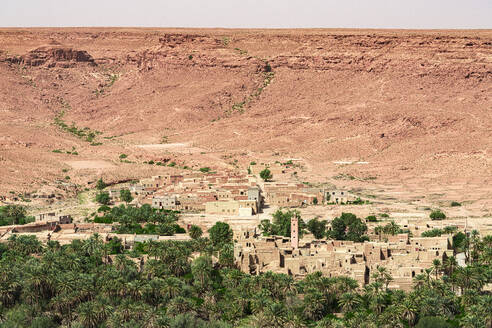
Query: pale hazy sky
416,14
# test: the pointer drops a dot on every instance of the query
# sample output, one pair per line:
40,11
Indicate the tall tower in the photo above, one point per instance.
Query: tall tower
294,231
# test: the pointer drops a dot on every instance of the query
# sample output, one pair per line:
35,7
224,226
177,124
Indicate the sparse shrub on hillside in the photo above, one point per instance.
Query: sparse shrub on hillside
371,218
123,156
384,215
205,169
172,164
100,185
252,163
437,215
455,204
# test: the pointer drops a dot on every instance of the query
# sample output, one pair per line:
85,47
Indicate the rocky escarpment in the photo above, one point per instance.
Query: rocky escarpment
52,56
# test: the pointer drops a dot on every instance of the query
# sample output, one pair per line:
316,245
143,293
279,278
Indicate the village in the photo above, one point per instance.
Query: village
244,199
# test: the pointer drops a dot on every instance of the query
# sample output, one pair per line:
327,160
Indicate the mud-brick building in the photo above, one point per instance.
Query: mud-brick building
337,196
168,202
232,207
403,257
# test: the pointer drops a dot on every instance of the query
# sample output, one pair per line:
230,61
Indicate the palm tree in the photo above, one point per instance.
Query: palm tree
376,296
378,230
93,245
382,276
408,311
88,314
436,264
277,314
314,305
172,287
201,269
260,320
349,301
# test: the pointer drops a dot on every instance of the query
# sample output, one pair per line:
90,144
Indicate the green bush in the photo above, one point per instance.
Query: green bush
432,233
455,204
205,169
123,156
100,185
266,175
437,215
371,218
103,198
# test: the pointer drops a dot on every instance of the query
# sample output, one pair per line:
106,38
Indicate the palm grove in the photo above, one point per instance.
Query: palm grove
195,284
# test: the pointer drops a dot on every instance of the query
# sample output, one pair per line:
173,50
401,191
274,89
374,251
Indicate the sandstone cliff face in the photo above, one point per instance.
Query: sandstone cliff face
411,103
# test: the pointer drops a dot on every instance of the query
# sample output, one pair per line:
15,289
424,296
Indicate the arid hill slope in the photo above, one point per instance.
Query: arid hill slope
414,105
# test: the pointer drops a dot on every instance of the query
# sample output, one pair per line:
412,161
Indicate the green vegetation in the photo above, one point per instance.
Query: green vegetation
126,195
268,76
123,156
241,52
348,227
111,79
437,215
389,229
220,234
371,218
14,214
140,220
82,133
103,198
172,164
195,232
100,185
252,163
455,204
204,169
317,228
266,175
438,232
75,285
280,225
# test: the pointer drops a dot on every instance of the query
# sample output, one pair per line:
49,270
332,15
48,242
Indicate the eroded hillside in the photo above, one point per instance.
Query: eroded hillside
413,107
